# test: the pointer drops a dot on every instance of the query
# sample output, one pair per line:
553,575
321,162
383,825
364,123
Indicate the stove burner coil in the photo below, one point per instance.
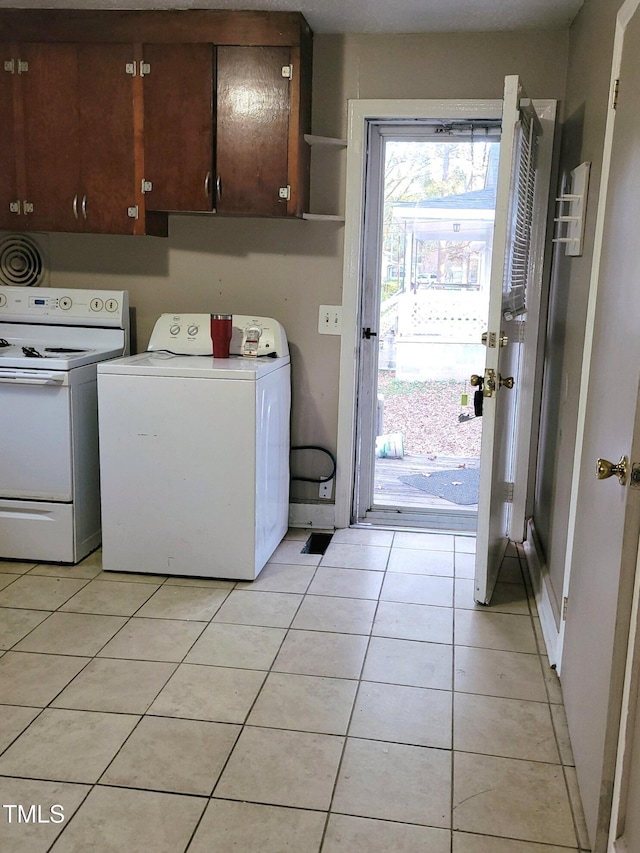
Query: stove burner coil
4,342
21,261
32,352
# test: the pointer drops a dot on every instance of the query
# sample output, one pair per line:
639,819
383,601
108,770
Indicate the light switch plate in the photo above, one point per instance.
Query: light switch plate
330,320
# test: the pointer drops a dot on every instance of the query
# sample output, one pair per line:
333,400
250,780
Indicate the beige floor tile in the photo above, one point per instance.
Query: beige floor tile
300,534
39,593
131,577
116,686
464,842
116,819
329,613
84,570
511,728
414,622
414,561
304,703
425,541
290,551
68,746
496,796
183,602
32,837
346,834
412,715
14,719
348,556
510,571
154,639
173,755
7,579
489,630
362,536
346,583
35,679
14,567
110,599
210,583
464,565
465,544
239,646
409,662
322,653
507,598
266,609
390,781
302,768
211,693
495,673
418,589
279,577
16,624
580,824
255,828
561,726
72,634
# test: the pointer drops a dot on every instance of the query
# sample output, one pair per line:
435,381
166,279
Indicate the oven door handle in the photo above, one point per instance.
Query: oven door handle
18,377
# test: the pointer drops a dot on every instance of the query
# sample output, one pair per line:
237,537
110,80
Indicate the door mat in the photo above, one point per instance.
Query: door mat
459,486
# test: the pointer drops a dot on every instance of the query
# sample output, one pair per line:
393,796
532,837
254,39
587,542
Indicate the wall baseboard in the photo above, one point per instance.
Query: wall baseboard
312,515
539,574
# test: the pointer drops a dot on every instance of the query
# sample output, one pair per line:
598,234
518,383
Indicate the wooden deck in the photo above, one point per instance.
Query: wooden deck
389,490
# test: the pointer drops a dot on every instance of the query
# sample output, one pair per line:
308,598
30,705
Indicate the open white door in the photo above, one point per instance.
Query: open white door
508,382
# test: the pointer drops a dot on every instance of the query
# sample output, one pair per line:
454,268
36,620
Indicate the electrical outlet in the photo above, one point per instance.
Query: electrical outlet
330,320
325,489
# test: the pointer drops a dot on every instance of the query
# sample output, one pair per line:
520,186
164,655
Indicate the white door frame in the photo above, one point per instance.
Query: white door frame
625,14
360,113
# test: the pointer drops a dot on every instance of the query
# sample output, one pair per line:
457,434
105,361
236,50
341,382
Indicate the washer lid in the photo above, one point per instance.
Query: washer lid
196,366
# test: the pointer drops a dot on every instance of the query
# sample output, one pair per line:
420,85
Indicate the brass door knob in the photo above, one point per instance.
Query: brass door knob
476,380
507,381
606,469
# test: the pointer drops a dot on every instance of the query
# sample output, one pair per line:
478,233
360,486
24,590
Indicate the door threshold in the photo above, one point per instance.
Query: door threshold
440,521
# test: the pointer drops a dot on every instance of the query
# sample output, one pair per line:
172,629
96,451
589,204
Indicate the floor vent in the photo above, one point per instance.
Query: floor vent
317,543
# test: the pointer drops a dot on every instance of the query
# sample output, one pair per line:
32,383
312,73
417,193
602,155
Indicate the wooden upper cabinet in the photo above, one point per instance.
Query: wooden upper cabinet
178,126
252,130
8,183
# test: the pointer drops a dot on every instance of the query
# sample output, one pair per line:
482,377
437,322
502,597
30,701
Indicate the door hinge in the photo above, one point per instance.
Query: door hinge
489,339
130,68
9,65
14,207
147,186
287,71
284,193
145,68
132,212
508,492
27,207
23,66
565,605
614,94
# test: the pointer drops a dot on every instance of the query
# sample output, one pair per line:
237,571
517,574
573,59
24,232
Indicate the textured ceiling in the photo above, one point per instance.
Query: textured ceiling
369,16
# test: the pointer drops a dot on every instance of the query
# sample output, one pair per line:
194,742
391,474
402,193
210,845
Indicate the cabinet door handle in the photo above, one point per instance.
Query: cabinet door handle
207,185
219,186
75,205
83,207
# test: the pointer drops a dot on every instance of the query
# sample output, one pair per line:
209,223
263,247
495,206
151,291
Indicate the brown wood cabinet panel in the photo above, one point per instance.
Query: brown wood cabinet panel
108,168
178,126
51,137
8,183
252,112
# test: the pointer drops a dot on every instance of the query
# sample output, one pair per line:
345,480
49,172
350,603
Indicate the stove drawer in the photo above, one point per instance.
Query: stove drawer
33,531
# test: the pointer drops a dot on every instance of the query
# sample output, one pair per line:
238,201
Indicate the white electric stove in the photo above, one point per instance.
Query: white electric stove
50,344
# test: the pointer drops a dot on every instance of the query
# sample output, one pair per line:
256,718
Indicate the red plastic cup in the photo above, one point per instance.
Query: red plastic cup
221,329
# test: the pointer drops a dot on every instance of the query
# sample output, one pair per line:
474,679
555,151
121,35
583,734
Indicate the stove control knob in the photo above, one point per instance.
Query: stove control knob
65,303
193,331
3,300
96,304
174,329
111,305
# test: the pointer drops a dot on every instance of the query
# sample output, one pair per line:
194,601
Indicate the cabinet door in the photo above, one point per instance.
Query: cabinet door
8,187
110,140
50,137
252,130
178,126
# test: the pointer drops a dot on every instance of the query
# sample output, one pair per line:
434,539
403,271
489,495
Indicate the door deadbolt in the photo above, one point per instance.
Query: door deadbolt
606,469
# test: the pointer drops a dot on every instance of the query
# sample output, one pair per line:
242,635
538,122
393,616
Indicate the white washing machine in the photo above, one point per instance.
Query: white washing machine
194,451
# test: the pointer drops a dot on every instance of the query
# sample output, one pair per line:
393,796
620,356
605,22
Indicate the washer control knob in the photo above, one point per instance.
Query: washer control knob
96,304
111,305
65,303
192,330
174,329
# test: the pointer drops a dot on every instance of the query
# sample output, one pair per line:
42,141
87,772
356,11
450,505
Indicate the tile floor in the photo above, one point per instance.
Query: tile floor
357,702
